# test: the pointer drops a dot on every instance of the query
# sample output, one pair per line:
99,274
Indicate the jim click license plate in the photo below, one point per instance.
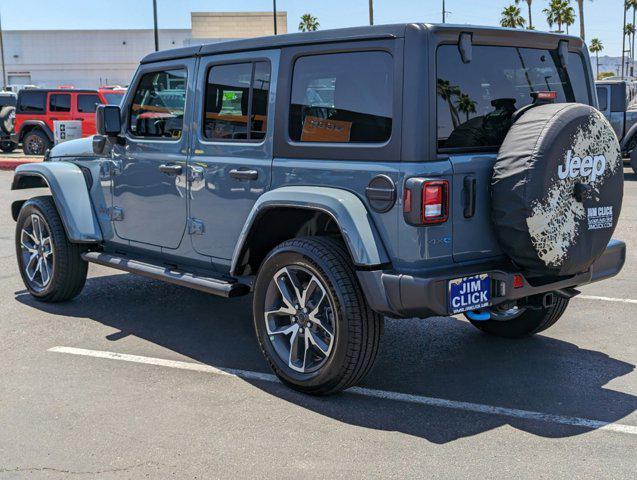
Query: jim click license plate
469,293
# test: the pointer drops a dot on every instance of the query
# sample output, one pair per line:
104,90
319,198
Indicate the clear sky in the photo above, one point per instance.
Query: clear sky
603,17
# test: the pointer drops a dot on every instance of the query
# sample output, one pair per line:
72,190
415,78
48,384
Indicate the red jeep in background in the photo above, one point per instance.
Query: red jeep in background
37,109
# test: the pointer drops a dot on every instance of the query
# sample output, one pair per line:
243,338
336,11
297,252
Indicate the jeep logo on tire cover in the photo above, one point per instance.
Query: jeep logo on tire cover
589,166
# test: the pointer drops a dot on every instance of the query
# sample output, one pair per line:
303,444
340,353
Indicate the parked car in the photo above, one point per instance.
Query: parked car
618,102
343,176
37,109
7,119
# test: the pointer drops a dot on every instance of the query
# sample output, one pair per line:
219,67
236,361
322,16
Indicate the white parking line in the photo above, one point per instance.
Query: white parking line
367,392
607,299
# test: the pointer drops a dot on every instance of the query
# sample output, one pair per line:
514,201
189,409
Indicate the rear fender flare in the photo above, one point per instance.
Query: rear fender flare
348,211
70,194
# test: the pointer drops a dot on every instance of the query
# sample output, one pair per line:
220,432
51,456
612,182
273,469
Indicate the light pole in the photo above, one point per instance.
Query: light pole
444,11
371,12
274,14
155,27
4,70
624,39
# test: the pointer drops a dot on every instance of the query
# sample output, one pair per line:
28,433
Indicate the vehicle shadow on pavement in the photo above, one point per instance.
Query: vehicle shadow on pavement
441,357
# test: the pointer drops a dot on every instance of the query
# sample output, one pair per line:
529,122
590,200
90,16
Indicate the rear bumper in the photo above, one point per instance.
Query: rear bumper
403,295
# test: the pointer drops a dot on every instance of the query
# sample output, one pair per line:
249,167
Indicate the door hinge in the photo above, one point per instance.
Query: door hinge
116,214
195,226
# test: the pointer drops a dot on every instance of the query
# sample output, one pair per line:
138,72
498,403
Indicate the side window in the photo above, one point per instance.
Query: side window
87,103
342,98
602,96
60,102
237,101
157,110
31,101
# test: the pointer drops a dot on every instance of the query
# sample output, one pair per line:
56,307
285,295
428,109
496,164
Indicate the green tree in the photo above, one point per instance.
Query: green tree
446,91
308,23
596,47
569,17
466,105
529,3
512,17
558,13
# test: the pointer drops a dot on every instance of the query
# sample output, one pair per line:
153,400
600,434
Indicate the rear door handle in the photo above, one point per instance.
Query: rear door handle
171,169
244,174
469,191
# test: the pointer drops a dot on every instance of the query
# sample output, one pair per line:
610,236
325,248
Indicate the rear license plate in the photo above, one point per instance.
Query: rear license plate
469,293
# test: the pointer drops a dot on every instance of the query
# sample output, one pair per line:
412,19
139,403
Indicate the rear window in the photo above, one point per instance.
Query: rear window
342,98
31,101
476,100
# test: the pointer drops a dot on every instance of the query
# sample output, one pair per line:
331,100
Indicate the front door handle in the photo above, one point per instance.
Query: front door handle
171,169
244,174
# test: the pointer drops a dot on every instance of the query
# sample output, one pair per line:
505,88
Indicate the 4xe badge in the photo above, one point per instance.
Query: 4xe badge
469,293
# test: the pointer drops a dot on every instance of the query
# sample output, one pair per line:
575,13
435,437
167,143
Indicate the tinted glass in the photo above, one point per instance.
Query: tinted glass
260,94
31,101
60,102
477,100
227,97
114,98
602,96
343,97
157,110
87,103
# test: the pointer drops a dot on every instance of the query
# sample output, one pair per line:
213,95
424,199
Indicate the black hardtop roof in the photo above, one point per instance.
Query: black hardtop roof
481,33
59,90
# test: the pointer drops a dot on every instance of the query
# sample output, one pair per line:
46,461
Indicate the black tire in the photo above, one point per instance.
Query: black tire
633,160
35,142
67,272
7,119
357,329
530,322
7,146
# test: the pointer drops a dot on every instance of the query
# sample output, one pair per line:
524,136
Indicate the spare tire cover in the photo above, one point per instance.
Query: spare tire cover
557,189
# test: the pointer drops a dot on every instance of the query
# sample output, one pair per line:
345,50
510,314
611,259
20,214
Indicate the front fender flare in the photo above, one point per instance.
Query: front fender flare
70,194
348,211
632,131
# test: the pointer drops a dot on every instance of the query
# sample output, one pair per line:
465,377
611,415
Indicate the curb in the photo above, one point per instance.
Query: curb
13,163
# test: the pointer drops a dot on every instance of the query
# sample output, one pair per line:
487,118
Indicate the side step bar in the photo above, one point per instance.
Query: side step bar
215,286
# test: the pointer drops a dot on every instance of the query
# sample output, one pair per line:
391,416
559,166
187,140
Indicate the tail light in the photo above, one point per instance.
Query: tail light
426,201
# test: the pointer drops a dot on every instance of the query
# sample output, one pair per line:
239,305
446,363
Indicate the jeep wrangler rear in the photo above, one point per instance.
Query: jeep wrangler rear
342,176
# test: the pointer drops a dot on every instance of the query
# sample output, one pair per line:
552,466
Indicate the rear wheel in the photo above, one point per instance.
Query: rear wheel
7,146
312,321
35,143
516,322
51,267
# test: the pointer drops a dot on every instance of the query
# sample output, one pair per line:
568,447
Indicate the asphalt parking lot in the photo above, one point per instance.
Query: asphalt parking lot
138,379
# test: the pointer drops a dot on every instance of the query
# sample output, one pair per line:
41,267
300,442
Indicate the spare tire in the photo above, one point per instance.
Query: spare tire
7,119
557,189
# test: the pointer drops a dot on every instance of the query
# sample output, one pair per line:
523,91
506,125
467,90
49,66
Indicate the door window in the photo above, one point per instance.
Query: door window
87,103
157,110
31,101
343,98
60,102
237,102
602,96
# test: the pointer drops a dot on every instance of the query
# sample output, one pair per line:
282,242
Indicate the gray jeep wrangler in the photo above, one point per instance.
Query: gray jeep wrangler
343,176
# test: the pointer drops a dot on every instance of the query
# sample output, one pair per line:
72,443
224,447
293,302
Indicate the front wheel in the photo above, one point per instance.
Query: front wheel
633,159
517,322
51,267
313,324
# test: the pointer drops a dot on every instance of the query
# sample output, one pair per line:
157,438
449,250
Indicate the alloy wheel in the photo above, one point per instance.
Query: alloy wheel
299,319
37,252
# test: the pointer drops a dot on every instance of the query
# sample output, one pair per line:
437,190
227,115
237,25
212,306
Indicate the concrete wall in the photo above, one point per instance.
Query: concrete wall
236,24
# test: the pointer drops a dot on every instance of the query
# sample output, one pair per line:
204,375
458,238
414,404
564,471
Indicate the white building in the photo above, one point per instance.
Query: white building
90,58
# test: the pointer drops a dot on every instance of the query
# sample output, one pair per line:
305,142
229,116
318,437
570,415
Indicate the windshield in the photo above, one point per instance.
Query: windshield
113,98
476,100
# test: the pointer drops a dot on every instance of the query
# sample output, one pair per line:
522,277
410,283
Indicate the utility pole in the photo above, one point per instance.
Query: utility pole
624,40
632,48
444,12
371,12
155,21
274,13
4,70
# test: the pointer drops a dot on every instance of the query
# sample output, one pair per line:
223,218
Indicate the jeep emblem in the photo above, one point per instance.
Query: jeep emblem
590,166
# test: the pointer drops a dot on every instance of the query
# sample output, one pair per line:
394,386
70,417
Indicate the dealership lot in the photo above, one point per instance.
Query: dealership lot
138,379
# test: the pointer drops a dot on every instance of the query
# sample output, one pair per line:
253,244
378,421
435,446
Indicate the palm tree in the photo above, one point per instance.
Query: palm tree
629,31
529,2
512,18
557,12
596,47
446,91
308,23
466,105
632,4
569,17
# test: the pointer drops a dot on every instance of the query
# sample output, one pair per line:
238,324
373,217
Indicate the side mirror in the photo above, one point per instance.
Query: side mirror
108,119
